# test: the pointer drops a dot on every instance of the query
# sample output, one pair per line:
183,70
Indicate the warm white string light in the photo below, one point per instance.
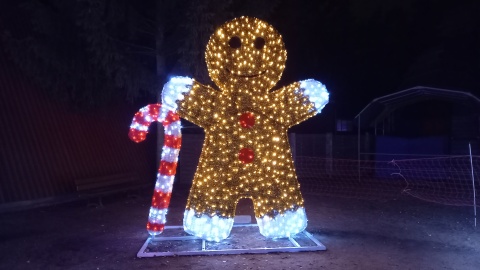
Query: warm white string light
246,153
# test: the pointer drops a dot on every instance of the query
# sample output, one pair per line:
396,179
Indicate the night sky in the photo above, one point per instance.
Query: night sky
359,49
364,49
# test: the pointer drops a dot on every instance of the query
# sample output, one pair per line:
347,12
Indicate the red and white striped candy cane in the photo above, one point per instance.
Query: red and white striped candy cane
168,163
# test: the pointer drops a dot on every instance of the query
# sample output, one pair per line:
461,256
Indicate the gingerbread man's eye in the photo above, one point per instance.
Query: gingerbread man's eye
259,43
235,42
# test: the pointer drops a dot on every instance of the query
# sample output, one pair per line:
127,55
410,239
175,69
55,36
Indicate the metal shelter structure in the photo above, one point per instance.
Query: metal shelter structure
380,108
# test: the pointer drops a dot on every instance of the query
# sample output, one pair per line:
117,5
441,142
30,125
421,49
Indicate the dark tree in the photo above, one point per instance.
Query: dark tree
90,52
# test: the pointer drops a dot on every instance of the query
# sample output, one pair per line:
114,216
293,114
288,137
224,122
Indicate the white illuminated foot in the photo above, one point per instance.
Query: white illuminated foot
317,93
209,228
286,225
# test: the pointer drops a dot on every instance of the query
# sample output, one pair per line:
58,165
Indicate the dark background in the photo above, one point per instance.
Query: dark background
91,54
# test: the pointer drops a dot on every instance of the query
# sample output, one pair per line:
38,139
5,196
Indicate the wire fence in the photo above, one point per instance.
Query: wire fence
450,180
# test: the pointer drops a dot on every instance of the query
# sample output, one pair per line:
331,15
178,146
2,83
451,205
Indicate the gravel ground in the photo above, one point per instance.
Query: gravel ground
404,233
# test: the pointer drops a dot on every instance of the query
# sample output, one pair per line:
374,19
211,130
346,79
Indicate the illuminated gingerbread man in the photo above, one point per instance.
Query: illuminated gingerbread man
246,153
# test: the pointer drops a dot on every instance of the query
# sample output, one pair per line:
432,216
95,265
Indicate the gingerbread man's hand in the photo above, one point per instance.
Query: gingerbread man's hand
316,92
174,90
298,101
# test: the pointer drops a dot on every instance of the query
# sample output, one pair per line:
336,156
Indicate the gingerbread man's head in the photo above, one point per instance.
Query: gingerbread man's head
245,54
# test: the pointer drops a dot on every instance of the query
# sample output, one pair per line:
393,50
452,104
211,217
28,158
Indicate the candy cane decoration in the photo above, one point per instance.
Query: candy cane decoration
168,163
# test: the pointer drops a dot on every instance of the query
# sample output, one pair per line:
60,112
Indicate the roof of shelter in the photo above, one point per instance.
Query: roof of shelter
381,107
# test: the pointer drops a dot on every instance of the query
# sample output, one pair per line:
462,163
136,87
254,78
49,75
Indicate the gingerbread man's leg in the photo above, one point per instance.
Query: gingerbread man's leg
210,228
284,223
209,217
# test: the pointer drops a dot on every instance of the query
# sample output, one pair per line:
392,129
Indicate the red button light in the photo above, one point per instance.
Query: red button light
247,120
246,155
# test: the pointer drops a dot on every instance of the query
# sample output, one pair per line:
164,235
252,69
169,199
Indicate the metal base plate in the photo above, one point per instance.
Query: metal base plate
244,238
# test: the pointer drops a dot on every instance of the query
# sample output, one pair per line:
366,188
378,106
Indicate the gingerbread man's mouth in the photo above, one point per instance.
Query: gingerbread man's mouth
245,75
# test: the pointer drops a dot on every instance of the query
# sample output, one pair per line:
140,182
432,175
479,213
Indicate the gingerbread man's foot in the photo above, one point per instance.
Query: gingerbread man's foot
206,227
286,225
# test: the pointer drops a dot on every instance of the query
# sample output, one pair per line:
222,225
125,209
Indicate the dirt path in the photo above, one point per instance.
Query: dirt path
399,234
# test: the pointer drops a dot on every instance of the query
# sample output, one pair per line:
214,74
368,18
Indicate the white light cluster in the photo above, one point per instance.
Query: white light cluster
170,154
138,126
164,182
157,216
285,225
173,91
174,129
213,228
317,93
146,116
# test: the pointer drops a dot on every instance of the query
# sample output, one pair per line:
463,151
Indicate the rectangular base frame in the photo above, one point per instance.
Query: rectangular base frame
244,238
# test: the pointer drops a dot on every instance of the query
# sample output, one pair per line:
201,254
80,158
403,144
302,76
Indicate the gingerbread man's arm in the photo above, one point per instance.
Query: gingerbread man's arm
192,100
298,101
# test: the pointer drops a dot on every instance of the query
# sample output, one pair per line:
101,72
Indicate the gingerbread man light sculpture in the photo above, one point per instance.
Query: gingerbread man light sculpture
246,153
